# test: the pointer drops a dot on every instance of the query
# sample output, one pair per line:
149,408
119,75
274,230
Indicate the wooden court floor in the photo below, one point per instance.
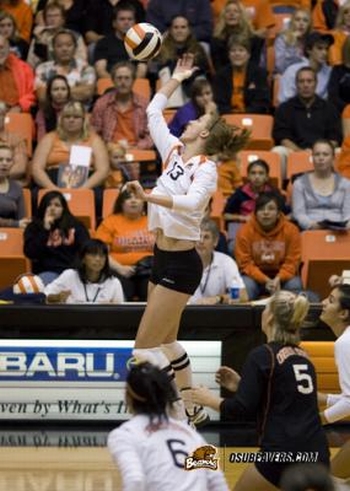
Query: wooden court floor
76,468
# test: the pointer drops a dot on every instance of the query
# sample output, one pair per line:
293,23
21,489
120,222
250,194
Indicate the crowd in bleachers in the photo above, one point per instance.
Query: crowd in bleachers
73,123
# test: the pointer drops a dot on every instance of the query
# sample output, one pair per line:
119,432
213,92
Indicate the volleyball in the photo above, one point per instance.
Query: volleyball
28,283
143,41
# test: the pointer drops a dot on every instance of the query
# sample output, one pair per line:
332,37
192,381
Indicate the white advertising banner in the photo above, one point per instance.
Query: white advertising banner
79,379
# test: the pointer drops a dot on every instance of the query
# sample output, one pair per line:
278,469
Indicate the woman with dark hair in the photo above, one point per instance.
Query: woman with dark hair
92,280
150,449
126,233
54,237
202,101
57,95
268,249
278,389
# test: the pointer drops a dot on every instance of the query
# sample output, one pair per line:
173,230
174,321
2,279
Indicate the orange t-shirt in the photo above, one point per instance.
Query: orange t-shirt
60,151
229,177
124,129
335,56
128,240
237,97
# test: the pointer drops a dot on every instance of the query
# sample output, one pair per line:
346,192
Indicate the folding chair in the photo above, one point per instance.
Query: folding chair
260,126
142,87
12,259
81,203
27,201
323,253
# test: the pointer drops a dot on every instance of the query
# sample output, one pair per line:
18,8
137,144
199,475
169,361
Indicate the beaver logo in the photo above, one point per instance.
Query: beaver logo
202,458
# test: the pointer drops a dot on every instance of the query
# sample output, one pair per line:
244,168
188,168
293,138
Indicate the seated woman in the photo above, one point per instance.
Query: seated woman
12,209
233,21
268,249
290,44
91,281
241,86
131,244
54,149
57,96
8,29
54,237
321,198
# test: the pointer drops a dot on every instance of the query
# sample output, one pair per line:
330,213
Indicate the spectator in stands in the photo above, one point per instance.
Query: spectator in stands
99,17
316,49
131,244
22,13
304,118
322,196
220,271
233,21
198,13
54,237
343,160
290,44
307,477
180,39
16,80
74,13
91,282
121,113
18,146
201,101
54,149
241,86
12,209
57,96
324,15
110,49
81,76
268,249
8,29
339,82
340,33
41,46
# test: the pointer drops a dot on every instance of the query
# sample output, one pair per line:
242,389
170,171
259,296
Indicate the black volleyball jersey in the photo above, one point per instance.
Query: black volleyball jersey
278,389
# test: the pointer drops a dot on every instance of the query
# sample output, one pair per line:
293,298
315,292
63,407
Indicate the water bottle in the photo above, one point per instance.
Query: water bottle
234,290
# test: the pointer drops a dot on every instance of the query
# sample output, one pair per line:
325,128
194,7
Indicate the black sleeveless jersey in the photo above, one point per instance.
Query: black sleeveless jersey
278,389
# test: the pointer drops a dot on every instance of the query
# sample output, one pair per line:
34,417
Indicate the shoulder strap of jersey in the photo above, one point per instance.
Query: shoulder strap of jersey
268,392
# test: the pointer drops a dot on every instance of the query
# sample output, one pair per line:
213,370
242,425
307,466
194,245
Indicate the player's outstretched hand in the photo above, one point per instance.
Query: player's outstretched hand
201,396
227,378
184,68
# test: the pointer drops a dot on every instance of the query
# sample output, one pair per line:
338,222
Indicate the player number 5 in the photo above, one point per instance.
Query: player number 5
305,385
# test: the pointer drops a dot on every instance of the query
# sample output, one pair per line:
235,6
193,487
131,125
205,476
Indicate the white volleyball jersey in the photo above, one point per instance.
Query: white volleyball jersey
151,458
191,184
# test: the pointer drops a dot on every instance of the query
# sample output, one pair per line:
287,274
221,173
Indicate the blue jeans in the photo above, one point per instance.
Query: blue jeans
256,290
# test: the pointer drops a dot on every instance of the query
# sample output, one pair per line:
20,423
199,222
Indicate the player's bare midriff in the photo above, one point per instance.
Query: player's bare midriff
170,244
